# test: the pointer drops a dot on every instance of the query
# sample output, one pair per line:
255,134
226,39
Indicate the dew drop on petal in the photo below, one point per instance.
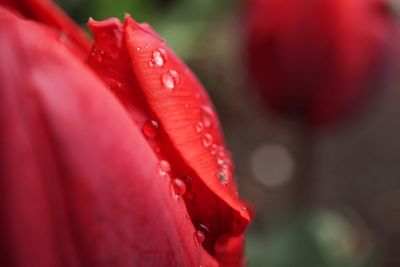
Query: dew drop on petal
213,149
221,152
221,155
97,54
199,127
207,140
179,187
224,175
207,116
170,79
199,237
158,58
203,228
243,210
220,161
164,166
150,128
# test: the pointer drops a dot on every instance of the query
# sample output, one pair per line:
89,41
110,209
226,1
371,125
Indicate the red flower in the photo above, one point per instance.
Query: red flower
133,176
316,59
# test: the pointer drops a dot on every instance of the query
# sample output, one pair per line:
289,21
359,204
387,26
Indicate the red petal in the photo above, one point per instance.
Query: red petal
213,207
79,184
229,251
47,12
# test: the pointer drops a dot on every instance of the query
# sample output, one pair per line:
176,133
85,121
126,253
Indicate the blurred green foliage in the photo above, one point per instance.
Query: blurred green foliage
181,22
319,239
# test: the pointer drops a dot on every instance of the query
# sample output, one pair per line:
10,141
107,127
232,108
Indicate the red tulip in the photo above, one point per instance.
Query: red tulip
135,176
317,58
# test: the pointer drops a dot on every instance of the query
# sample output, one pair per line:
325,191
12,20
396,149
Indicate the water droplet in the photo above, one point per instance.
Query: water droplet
150,128
207,140
207,116
98,54
158,58
199,127
170,79
138,48
213,149
224,175
220,161
202,228
164,166
243,210
179,187
222,156
225,161
199,237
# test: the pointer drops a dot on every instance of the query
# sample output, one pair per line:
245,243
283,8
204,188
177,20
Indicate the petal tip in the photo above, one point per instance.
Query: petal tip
109,23
129,21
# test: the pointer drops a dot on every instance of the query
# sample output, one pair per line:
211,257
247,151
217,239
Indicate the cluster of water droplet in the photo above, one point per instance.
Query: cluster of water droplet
98,55
224,173
179,188
164,167
170,79
178,185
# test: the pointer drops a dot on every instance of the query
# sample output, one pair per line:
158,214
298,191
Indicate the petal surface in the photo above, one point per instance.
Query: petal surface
154,85
45,11
79,184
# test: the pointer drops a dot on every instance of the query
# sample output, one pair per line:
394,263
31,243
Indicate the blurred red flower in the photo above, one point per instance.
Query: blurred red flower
117,160
316,59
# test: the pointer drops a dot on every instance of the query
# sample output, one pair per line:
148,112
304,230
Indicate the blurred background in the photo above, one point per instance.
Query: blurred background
324,196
